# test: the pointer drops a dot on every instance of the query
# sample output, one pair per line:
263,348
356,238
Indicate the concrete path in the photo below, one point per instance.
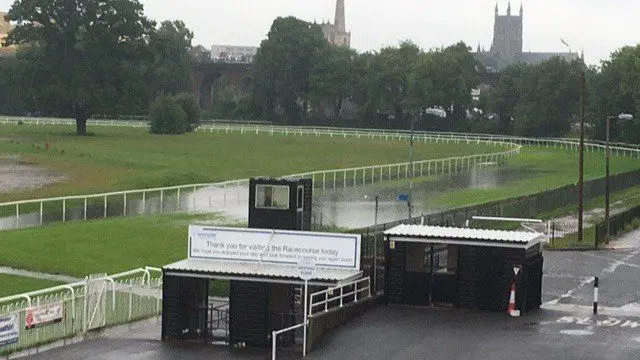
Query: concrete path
38,275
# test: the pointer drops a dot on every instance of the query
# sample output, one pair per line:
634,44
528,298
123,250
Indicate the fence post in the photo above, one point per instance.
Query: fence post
124,205
85,208
144,201
355,292
41,211
194,199
64,210
105,206
162,199
130,299
17,215
178,200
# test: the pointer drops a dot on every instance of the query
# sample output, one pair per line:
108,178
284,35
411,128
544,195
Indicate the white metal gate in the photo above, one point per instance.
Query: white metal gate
95,304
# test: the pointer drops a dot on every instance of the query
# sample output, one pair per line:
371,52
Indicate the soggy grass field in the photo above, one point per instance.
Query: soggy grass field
122,158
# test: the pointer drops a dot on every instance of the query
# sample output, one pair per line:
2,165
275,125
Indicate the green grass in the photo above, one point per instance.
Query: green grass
121,158
540,169
12,285
102,246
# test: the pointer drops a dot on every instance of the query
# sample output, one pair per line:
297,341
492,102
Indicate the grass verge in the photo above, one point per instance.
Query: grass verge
12,285
102,246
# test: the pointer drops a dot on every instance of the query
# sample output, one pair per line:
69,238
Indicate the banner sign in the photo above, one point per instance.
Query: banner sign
43,315
9,329
275,246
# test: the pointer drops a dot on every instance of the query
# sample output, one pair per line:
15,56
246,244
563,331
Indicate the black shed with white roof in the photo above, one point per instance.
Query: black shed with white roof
462,267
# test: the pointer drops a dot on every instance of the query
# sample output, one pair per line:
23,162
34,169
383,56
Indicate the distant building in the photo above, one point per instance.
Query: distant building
506,48
233,54
5,28
336,33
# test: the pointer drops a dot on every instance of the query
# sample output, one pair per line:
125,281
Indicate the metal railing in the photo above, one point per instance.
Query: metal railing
340,295
125,297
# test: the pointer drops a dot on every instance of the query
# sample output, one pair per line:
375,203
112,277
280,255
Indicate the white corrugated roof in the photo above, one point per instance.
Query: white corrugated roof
255,269
435,232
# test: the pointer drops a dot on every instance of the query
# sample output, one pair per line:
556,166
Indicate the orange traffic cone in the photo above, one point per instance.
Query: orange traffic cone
511,309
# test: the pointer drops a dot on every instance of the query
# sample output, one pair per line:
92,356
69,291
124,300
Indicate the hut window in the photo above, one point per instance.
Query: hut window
272,197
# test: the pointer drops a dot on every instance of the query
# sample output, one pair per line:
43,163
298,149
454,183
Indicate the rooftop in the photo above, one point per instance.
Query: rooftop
235,270
480,237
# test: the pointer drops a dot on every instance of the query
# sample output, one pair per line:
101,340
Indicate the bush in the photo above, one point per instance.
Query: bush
167,116
190,106
174,114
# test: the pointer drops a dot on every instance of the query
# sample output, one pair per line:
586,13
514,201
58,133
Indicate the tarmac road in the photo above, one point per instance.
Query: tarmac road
564,329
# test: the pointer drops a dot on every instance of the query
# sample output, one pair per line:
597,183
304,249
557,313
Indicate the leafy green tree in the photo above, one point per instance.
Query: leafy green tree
189,105
615,90
171,68
282,68
88,56
332,78
12,92
542,99
167,116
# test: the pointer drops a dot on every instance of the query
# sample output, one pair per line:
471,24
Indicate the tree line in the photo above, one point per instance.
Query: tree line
108,58
86,57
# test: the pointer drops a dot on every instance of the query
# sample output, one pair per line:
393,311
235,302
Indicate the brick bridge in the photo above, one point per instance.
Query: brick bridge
207,74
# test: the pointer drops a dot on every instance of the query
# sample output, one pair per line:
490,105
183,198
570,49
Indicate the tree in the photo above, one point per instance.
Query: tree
171,69
282,68
167,116
332,77
542,99
617,90
88,56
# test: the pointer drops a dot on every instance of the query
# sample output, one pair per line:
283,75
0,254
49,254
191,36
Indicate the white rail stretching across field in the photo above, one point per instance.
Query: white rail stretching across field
184,195
97,302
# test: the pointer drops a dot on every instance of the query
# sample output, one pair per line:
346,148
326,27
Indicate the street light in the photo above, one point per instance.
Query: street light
622,117
429,111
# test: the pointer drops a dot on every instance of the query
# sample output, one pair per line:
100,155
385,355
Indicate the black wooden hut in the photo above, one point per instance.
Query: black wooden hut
463,268
283,204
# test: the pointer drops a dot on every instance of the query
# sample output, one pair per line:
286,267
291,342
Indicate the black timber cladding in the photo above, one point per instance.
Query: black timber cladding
481,280
184,308
282,219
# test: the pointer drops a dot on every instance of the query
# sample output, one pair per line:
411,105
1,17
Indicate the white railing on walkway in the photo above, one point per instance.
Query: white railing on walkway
274,337
122,298
339,296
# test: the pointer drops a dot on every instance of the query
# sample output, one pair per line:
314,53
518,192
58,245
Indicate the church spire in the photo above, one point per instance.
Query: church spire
509,9
340,18
521,10
497,8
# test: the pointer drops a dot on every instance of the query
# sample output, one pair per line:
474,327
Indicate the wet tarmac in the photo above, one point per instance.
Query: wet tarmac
563,329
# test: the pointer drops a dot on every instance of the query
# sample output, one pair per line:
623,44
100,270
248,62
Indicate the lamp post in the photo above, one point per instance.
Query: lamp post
606,176
429,111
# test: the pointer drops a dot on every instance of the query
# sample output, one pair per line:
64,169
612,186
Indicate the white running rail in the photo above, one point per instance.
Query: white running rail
340,295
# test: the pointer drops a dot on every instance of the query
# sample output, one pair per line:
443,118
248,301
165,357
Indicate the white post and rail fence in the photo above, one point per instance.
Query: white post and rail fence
60,315
217,196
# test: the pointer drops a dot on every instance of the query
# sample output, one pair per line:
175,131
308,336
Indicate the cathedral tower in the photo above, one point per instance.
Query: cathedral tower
336,33
507,34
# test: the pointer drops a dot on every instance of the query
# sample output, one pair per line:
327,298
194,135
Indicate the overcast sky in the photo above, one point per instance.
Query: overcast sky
600,26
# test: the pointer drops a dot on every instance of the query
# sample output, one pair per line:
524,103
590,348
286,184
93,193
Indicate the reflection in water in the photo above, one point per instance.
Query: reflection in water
350,207
354,207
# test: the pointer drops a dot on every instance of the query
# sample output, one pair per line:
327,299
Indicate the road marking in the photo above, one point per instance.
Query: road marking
609,322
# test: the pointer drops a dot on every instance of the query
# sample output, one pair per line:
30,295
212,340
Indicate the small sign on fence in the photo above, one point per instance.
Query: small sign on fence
43,315
9,329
